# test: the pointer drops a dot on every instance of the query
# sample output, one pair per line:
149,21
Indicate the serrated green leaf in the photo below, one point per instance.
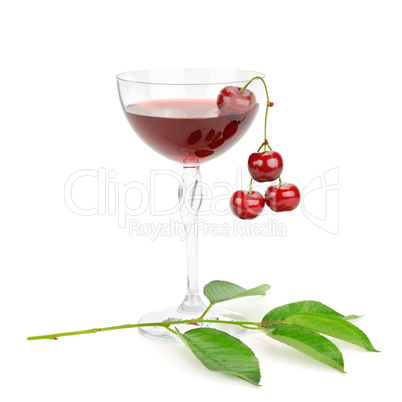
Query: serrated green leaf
219,351
333,326
310,343
282,312
352,317
220,291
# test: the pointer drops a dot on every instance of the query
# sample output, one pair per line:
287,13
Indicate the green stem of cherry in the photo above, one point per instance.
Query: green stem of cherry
269,104
265,144
250,190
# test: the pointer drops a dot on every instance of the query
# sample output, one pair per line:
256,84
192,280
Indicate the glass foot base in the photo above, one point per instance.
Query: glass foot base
173,314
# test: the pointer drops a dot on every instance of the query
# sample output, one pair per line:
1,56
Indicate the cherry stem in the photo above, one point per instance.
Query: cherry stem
251,186
264,144
269,104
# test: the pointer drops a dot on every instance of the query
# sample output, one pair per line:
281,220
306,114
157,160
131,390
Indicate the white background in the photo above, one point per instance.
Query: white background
333,71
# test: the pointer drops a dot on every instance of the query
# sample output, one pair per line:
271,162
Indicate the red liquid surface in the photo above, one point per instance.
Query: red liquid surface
188,131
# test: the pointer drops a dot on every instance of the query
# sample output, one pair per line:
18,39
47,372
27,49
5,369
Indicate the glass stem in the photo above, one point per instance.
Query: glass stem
190,196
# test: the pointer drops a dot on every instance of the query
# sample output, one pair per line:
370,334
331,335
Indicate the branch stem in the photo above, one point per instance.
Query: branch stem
244,324
206,311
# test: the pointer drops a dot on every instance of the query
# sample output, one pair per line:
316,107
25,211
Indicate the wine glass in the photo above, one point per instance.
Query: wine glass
175,112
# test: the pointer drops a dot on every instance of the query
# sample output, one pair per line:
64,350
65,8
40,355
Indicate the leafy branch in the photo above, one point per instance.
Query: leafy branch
300,325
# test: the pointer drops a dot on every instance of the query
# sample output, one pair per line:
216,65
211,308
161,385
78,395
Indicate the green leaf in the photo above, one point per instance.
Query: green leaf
219,351
309,306
310,343
351,317
220,291
333,326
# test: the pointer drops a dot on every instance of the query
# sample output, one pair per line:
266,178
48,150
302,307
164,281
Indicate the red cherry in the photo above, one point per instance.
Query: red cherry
232,101
265,166
245,205
285,197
